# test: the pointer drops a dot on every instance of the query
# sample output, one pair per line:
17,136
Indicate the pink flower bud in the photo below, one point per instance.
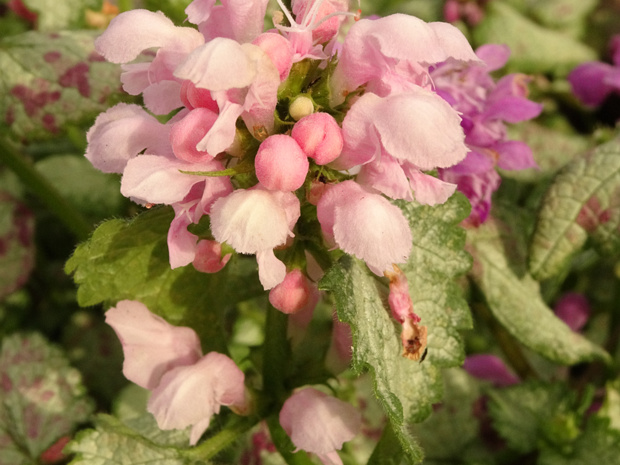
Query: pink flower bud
319,136
209,257
278,49
292,294
281,164
186,133
319,423
193,97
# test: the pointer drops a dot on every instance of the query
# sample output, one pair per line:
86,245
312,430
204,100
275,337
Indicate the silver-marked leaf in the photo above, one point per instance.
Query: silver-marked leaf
407,389
584,200
51,80
42,398
55,15
114,443
514,298
535,49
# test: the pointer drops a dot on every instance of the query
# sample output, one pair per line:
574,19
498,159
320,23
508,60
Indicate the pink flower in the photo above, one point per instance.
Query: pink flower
151,345
573,309
191,395
365,224
248,88
319,423
255,222
281,164
134,31
121,133
392,54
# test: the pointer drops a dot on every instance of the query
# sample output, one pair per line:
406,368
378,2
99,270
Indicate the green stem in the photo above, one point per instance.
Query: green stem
45,191
221,440
276,357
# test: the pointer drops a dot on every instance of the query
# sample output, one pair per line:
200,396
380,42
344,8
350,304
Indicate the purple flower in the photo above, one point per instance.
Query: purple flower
573,309
485,106
490,368
594,81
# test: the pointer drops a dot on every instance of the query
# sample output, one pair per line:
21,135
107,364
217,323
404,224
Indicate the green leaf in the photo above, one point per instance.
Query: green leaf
51,80
446,434
437,258
115,443
407,389
94,193
584,200
55,15
531,415
534,48
611,407
598,444
17,251
514,299
129,260
42,398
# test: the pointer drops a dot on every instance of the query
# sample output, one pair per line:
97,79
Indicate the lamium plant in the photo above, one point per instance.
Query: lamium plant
343,234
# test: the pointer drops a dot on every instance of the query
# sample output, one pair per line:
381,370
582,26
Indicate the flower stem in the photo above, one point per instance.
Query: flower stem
45,191
235,427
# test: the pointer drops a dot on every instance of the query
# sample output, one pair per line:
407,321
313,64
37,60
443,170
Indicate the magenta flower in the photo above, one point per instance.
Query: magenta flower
485,107
573,309
490,368
319,424
594,81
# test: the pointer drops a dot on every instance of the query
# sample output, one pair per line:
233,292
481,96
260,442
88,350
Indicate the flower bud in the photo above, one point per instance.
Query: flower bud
300,107
490,368
281,164
319,136
292,294
209,257
573,309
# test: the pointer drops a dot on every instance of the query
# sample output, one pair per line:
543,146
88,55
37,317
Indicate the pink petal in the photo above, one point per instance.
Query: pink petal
181,243
191,395
366,225
222,133
199,11
252,220
421,128
427,189
155,179
162,97
133,31
279,51
186,133
151,345
271,271
209,257
205,64
121,133
245,18
588,82
319,423
513,109
573,309
514,155
495,56
387,176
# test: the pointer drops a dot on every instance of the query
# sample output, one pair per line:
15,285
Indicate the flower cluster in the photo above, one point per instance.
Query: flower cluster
291,144
265,124
485,106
